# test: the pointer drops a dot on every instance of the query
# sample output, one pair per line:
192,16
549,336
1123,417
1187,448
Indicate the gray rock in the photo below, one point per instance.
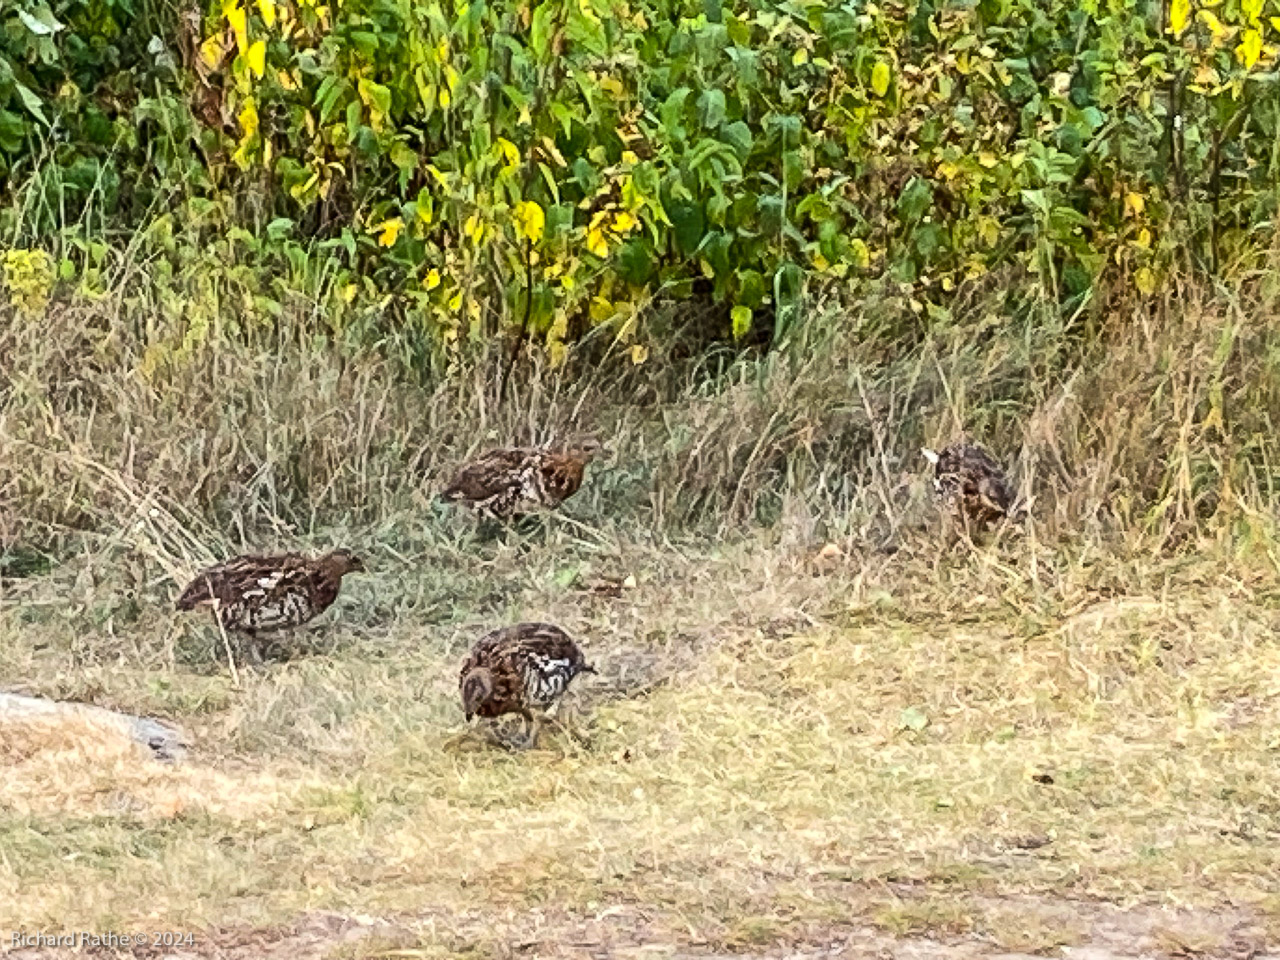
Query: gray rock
165,742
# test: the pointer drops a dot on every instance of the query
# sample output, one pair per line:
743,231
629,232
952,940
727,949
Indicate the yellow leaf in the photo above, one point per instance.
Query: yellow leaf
601,310
1215,26
1179,13
455,302
286,81
629,157
509,151
624,223
474,228
451,77
596,242
880,77
1250,48
211,52
268,10
820,263
442,50
1134,203
257,58
989,231
1251,8
237,17
1144,238
741,319
988,159
948,170
801,57
349,292
249,118
639,354
859,253
1145,281
390,231
444,98
424,213
432,279
530,221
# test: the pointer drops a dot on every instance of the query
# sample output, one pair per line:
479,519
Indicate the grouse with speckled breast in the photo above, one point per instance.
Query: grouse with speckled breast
508,483
969,483
255,594
523,669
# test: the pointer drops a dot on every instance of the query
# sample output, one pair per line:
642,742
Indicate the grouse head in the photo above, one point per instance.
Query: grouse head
587,447
343,562
477,687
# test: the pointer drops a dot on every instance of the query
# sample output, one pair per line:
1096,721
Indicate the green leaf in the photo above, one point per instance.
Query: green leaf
711,108
688,224
738,136
750,288
673,113
715,248
279,228
793,168
771,214
32,102
915,199
13,130
377,94
788,286
634,261
45,25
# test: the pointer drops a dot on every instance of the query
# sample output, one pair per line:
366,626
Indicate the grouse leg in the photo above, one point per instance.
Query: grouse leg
253,647
533,728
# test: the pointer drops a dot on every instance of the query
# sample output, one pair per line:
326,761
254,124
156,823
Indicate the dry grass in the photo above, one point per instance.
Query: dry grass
786,744
771,753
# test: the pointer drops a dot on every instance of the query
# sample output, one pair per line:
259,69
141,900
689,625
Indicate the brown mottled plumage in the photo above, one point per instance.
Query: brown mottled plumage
520,669
254,595
971,485
504,484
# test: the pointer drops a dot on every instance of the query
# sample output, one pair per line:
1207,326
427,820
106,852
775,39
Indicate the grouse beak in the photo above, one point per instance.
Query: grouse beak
589,668
468,718
930,455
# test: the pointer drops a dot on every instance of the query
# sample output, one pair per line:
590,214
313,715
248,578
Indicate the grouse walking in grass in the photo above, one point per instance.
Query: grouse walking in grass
969,484
506,484
520,669
254,595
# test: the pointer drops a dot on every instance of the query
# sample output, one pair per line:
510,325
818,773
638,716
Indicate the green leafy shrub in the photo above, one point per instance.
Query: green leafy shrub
477,166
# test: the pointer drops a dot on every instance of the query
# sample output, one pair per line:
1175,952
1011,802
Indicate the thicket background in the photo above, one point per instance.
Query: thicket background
281,263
